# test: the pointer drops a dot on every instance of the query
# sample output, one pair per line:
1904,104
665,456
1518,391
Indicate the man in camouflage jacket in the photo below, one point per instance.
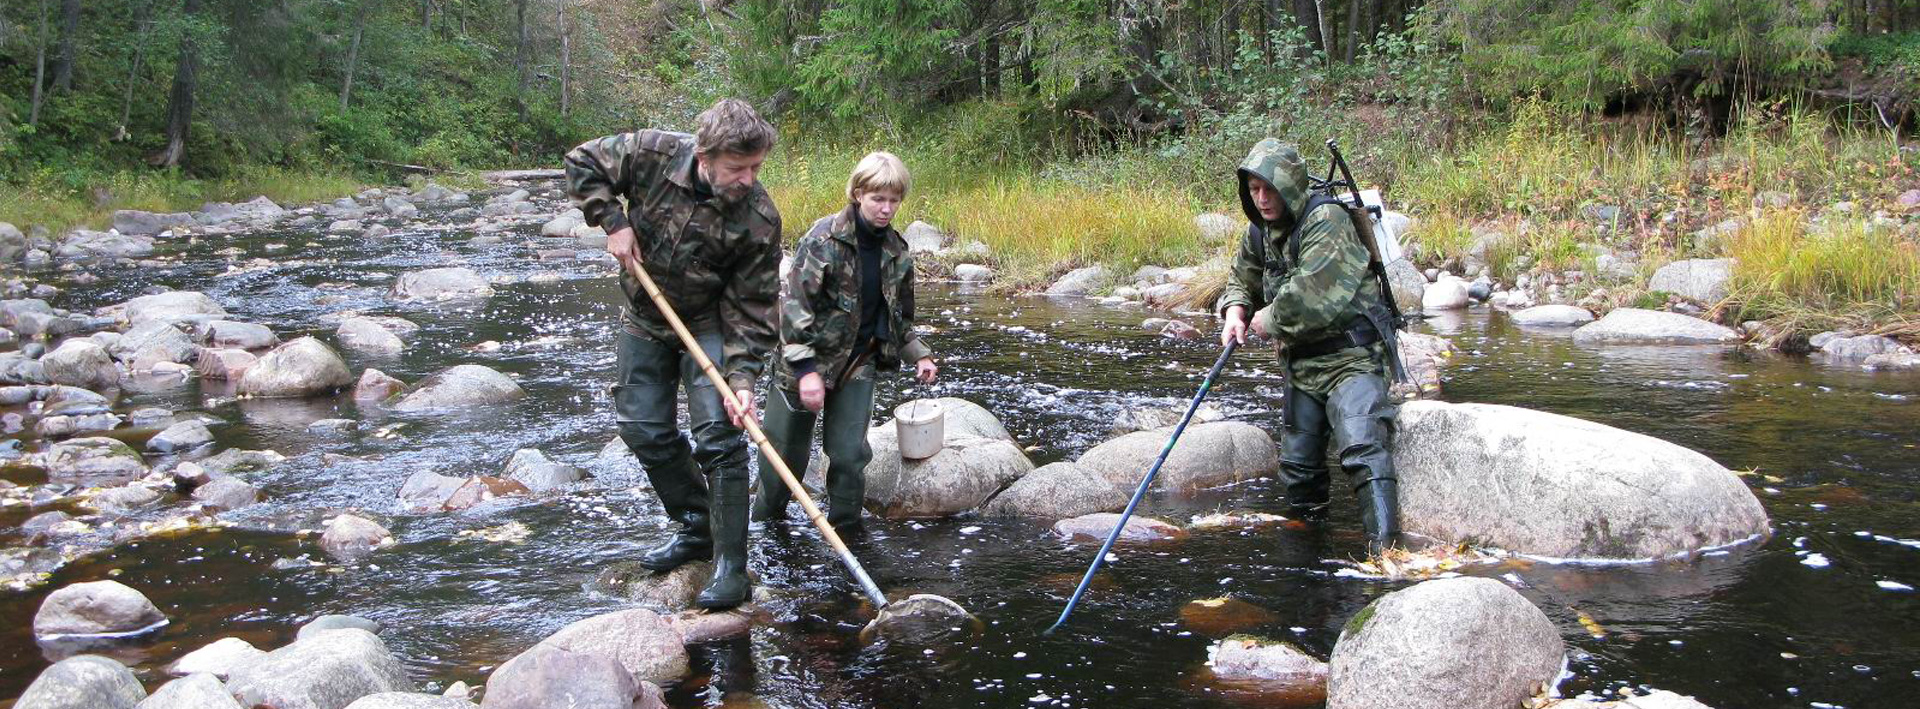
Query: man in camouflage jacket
698,220
1301,276
846,313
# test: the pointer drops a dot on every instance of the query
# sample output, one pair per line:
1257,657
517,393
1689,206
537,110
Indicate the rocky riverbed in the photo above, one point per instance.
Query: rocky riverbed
364,448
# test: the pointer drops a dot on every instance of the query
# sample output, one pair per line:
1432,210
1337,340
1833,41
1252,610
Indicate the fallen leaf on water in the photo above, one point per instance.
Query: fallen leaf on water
1592,626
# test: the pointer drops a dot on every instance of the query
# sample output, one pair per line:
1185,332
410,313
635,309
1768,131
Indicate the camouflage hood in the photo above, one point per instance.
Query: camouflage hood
1280,165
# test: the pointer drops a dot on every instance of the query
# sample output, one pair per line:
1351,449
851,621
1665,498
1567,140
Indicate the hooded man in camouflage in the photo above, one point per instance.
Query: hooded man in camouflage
697,219
1301,278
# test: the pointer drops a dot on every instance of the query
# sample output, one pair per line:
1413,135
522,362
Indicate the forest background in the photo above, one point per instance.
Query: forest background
1525,137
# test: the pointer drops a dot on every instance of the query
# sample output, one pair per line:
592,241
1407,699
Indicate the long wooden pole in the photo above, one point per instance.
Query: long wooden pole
772,454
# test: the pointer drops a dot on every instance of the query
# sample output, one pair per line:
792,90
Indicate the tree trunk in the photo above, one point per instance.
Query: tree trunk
1353,28
566,62
39,69
990,63
180,99
141,25
1307,13
63,61
426,15
520,63
353,50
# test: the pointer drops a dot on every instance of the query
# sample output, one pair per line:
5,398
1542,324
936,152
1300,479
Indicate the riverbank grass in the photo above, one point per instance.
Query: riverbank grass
60,207
1810,276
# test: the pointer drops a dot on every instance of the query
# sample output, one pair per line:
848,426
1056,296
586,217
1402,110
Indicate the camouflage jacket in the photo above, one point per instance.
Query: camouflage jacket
717,263
820,306
1316,298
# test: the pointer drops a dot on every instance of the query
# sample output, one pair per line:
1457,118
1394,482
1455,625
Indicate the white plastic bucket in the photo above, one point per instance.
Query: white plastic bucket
922,426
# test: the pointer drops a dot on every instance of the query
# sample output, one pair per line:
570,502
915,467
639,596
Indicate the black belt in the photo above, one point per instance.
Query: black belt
1360,333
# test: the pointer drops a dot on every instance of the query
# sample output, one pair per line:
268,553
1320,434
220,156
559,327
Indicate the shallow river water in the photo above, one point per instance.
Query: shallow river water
1802,619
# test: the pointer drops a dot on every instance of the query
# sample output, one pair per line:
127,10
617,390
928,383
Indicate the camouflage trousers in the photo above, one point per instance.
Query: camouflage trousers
843,438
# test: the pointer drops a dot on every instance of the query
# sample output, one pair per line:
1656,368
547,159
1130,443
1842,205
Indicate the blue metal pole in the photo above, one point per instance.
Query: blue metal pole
1141,491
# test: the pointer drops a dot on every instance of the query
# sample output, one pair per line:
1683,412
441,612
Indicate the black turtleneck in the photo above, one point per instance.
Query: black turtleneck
701,190
873,304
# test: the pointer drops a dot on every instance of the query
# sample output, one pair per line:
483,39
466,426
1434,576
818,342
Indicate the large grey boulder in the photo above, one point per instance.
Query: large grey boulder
1702,280
368,336
334,621
923,238
1858,348
461,385
1633,326
134,222
83,682
96,608
186,435
1207,455
13,244
92,461
152,342
172,306
303,367
195,691
441,284
1556,486
228,334
1408,284
1448,293
1079,281
218,658
645,643
81,363
1465,643
1058,491
409,700
548,677
326,671
85,244
964,474
1552,316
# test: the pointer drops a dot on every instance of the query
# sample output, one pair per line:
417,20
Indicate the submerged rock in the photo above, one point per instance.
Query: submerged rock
1095,527
538,473
96,608
172,306
1207,455
375,385
97,461
196,691
1540,483
83,682
1275,667
324,671
186,435
226,494
1466,642
368,336
1552,315
1057,491
1224,616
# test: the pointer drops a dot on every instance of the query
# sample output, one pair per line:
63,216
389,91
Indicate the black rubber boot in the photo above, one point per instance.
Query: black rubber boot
687,504
729,586
1380,514
844,515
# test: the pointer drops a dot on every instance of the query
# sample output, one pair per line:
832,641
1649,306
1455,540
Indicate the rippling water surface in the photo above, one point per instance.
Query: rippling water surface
1833,450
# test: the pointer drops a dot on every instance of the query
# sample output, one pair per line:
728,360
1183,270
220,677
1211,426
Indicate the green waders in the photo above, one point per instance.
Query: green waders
1359,416
789,426
711,508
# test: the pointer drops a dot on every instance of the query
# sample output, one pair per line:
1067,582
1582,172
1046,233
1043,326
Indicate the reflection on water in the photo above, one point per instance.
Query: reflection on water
1833,450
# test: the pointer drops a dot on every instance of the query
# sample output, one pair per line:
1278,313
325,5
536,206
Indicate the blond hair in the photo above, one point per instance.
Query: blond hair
879,170
733,127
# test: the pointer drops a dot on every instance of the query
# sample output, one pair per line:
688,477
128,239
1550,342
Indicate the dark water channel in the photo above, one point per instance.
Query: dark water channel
1754,627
